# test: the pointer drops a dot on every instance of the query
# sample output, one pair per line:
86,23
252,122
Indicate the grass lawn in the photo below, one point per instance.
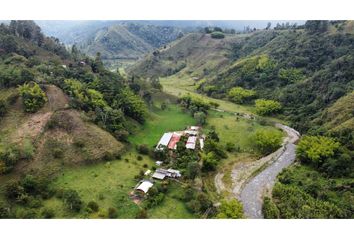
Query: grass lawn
159,122
235,130
172,207
107,183
179,86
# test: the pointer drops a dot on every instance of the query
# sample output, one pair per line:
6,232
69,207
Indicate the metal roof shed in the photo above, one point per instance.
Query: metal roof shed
165,139
159,175
145,186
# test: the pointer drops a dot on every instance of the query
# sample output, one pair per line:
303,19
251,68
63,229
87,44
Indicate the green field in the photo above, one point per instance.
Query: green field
178,86
109,184
159,122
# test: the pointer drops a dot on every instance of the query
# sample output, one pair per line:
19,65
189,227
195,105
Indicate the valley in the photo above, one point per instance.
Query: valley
87,129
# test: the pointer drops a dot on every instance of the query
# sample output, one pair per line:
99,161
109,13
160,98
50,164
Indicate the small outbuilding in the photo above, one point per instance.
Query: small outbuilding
144,186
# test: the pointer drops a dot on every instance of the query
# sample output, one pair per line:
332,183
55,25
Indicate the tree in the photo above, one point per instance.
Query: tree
193,170
210,161
240,95
316,149
267,107
132,105
267,141
232,209
200,117
269,24
33,97
72,200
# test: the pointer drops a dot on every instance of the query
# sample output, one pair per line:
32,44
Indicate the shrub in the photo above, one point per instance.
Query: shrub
33,97
143,149
217,35
139,158
240,95
193,170
93,206
266,141
267,107
72,200
270,210
112,212
48,213
142,214
232,209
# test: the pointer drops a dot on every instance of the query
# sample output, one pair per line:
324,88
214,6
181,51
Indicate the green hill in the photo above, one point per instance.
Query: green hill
127,42
306,68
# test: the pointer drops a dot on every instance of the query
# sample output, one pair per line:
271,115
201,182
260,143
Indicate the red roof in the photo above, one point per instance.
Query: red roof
174,140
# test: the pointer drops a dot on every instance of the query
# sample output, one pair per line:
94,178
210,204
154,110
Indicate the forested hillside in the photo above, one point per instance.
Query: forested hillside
127,41
58,109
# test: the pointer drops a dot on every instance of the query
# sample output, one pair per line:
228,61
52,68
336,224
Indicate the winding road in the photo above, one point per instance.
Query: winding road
253,191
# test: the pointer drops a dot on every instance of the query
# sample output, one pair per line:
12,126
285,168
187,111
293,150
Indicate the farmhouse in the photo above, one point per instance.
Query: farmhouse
165,139
144,186
169,140
191,142
163,173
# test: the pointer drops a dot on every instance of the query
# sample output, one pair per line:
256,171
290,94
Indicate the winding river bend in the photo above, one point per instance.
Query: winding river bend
253,191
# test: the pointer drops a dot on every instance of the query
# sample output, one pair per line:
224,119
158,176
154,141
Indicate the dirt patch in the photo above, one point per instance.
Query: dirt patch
32,127
56,98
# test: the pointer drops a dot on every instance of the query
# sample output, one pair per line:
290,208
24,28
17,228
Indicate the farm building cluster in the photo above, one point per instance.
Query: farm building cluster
194,141
169,140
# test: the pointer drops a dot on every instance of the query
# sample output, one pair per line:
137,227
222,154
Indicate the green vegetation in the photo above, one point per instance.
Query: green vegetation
267,107
33,97
217,35
160,122
266,141
232,209
240,95
325,154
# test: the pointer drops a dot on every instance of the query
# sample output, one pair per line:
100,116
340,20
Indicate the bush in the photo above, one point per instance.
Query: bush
266,141
267,107
232,209
240,95
193,170
139,158
142,214
143,149
270,210
112,212
33,97
93,206
210,162
217,35
72,200
48,213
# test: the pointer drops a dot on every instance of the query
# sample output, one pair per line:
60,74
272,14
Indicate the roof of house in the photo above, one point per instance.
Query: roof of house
165,139
147,172
195,128
174,140
159,175
191,142
191,132
145,186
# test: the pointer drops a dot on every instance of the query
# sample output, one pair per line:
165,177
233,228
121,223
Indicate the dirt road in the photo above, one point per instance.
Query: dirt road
253,191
